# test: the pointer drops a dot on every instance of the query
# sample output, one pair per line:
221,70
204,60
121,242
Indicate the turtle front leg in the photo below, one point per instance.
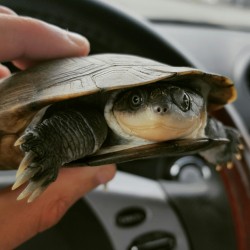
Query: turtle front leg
223,154
62,138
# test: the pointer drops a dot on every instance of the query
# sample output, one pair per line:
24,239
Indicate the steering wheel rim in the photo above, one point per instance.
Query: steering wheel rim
133,35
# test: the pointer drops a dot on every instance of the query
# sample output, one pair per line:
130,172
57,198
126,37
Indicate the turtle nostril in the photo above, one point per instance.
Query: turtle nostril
160,110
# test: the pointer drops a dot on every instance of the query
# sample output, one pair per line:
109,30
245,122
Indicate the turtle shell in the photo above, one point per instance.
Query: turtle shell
23,94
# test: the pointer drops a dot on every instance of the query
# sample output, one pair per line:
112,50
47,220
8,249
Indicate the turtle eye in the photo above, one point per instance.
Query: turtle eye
129,101
135,100
181,99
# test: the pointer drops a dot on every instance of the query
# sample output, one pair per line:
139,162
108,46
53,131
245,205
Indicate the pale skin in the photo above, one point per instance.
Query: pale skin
24,42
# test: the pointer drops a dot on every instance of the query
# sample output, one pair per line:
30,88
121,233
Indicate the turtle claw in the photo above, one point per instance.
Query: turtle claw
38,170
218,168
224,155
229,165
21,140
39,166
24,177
238,156
27,160
33,190
38,175
241,147
36,193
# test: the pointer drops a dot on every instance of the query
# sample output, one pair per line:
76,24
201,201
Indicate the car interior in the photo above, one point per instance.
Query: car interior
179,203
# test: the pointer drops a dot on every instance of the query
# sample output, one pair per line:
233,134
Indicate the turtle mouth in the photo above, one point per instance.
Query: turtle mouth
159,133
152,127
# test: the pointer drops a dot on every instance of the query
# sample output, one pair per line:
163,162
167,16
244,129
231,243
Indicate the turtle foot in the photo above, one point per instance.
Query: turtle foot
38,173
224,155
59,139
39,166
233,150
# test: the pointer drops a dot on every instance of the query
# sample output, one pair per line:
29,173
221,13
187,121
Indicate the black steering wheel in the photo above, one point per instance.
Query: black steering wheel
111,30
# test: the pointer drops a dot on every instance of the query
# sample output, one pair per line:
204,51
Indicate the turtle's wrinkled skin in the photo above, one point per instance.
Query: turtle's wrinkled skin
68,109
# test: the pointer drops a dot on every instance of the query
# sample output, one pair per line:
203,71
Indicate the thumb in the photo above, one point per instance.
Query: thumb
70,185
44,212
4,71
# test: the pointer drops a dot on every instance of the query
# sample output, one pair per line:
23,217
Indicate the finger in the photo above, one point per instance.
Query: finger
47,209
74,182
30,39
5,10
25,63
4,71
71,185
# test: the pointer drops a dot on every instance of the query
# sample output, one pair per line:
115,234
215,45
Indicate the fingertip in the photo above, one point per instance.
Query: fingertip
45,41
81,42
4,71
106,173
5,10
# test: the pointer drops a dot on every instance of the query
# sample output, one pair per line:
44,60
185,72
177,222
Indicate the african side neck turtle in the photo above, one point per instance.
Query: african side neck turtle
67,109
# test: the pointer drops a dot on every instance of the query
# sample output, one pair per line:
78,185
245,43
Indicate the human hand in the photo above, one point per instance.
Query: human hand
24,42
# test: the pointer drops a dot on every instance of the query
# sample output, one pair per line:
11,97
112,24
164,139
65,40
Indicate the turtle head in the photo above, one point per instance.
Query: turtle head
158,113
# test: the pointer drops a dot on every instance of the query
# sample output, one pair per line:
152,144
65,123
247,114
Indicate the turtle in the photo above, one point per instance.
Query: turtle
107,108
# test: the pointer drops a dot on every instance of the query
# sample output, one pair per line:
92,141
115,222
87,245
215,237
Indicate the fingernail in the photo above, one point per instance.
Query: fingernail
80,41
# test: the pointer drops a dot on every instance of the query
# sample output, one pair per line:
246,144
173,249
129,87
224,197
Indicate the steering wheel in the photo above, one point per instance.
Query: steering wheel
111,30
